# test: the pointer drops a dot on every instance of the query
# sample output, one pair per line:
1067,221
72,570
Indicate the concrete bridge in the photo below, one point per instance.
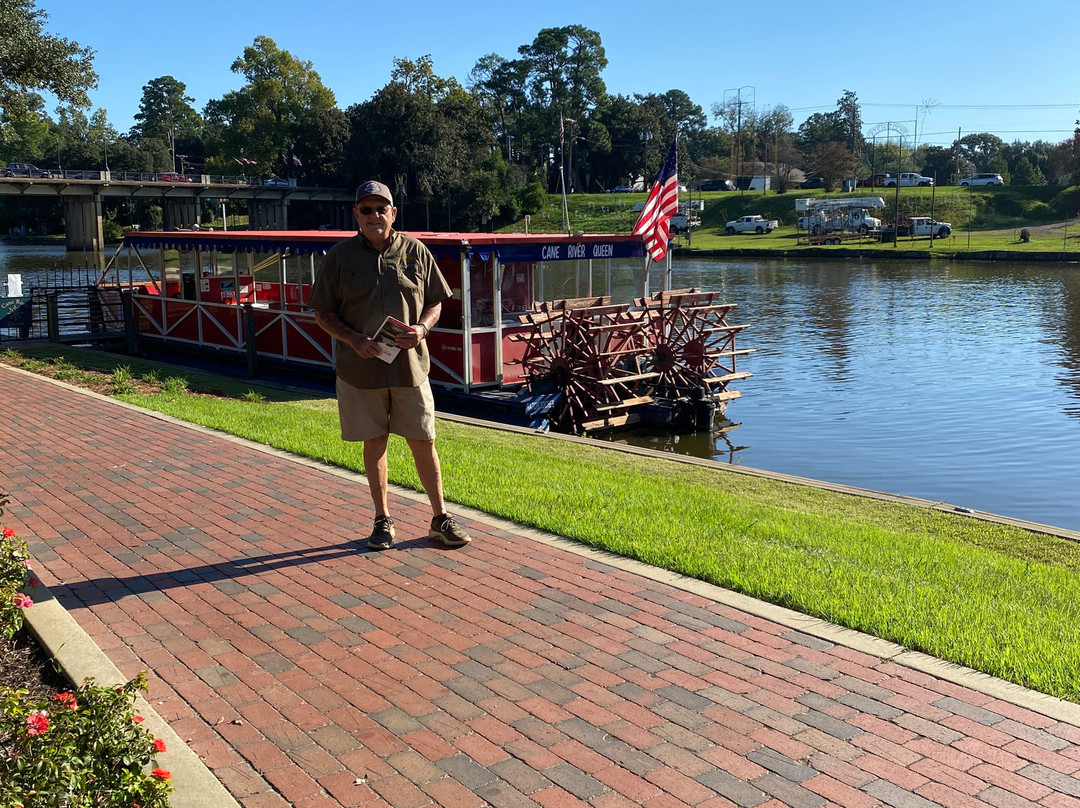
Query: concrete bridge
82,193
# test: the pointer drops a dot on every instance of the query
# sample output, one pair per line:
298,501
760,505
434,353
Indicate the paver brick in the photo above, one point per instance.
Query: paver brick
337,663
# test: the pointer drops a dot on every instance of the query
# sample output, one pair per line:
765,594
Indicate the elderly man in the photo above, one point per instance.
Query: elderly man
376,274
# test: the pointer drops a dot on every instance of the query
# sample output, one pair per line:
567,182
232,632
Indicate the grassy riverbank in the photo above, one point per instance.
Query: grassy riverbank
984,219
995,598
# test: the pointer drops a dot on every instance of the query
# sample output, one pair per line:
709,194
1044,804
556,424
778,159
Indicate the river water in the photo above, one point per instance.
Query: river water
951,381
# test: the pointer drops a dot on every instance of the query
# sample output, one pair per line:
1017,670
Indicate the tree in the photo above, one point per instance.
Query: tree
263,120
849,116
166,121
564,66
165,109
833,162
937,161
427,138
774,135
27,136
979,149
32,60
1026,174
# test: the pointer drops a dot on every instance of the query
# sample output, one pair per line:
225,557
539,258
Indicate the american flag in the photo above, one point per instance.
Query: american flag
663,201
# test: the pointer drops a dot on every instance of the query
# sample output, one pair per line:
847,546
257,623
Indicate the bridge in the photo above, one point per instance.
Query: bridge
82,193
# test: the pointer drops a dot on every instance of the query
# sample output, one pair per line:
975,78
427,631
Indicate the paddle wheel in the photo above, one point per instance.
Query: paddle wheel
693,351
591,352
667,358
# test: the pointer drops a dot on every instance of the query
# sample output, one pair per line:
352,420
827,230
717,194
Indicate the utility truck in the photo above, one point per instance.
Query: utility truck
754,223
850,215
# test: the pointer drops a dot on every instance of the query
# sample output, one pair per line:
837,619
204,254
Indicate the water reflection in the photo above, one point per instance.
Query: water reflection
956,382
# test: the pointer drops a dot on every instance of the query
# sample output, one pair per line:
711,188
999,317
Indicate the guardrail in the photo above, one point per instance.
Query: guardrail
143,176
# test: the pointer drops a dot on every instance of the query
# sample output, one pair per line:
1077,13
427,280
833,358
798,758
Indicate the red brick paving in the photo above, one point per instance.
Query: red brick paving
310,672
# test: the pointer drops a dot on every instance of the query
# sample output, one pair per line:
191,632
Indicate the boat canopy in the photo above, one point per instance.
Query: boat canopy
508,247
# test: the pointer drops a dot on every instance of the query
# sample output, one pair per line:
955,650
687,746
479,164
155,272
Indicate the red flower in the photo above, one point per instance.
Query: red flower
37,723
159,745
68,700
162,774
23,601
34,581
138,719
9,532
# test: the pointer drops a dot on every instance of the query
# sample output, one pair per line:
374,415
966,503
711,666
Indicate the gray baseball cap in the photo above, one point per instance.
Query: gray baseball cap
374,188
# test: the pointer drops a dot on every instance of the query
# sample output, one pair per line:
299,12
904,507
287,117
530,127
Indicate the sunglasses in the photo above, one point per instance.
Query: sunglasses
367,210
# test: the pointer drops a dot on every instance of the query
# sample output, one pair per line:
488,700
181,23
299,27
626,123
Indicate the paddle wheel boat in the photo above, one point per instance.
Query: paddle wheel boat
542,329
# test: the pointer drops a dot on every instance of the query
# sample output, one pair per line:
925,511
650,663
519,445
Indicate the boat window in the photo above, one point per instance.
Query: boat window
517,289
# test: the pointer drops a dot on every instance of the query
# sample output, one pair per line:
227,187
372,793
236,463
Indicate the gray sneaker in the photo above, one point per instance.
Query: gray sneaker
382,535
446,529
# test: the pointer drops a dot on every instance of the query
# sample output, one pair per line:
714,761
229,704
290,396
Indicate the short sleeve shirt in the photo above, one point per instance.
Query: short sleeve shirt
364,286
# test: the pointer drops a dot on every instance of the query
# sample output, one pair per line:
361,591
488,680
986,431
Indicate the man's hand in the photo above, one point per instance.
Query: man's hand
411,338
365,346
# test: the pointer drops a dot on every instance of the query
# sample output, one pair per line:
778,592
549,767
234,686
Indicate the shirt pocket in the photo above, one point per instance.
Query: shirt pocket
408,273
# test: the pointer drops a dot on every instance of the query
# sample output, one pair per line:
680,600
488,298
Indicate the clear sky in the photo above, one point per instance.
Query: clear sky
1012,69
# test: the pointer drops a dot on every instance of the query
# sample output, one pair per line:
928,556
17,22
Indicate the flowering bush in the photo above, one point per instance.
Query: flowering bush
80,749
13,576
84,748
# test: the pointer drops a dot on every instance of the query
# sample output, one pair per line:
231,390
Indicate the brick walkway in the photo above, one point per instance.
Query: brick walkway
513,672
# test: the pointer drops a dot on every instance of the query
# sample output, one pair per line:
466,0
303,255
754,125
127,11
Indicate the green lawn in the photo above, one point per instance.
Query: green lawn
998,599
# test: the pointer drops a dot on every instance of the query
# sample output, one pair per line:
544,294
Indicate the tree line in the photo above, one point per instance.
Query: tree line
477,155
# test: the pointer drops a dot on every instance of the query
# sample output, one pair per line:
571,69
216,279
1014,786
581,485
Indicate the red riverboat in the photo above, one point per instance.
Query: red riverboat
544,329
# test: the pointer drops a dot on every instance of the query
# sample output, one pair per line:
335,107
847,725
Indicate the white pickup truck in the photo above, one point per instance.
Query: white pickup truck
752,224
925,226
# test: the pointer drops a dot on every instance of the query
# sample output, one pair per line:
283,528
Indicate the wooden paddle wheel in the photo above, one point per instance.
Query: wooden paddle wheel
693,352
669,358
591,352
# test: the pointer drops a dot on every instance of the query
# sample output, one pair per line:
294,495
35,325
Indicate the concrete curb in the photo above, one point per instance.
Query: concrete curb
64,640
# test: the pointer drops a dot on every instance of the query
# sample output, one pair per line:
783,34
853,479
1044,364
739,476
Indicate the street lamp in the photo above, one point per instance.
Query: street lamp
105,142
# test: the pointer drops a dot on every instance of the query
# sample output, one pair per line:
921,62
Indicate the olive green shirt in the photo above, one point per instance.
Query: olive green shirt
363,286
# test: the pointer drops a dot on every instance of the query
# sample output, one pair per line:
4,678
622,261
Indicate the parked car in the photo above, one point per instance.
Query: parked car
172,176
274,181
982,179
716,185
813,182
621,189
909,179
27,170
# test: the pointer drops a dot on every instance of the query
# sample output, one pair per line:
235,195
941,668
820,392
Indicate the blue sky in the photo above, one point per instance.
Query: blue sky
976,65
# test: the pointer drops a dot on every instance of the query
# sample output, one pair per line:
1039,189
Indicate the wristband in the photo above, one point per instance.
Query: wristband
426,330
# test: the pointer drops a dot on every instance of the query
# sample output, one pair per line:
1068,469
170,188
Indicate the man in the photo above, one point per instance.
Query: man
363,280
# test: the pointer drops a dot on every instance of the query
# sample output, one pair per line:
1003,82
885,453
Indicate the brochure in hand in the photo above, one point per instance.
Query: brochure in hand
386,337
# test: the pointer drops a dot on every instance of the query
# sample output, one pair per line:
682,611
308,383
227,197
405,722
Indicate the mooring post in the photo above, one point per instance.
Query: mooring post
249,341
52,316
131,333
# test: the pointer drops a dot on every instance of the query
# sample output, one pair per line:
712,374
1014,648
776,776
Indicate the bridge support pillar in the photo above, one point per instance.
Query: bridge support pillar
179,213
82,223
268,214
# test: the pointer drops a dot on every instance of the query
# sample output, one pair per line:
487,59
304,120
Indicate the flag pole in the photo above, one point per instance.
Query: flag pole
562,175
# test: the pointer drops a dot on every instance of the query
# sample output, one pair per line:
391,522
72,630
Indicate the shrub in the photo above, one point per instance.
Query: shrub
533,198
81,749
1025,235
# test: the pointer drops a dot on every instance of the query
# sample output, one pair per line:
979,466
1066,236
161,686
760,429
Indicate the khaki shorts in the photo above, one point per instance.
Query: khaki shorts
367,414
